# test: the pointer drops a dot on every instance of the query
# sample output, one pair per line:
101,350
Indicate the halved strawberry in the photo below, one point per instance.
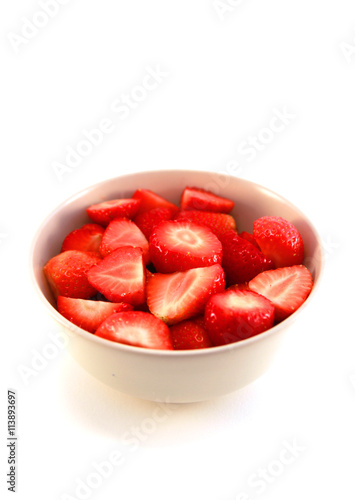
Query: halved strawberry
183,295
181,245
148,200
194,198
286,287
241,260
218,223
147,221
66,274
189,334
249,237
87,238
237,315
120,276
105,212
89,314
279,240
122,233
136,328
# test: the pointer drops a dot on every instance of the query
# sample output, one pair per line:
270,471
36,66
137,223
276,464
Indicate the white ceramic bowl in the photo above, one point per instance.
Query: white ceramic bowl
172,376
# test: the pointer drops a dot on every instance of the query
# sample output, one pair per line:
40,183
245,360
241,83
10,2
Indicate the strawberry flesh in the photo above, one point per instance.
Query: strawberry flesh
148,200
218,223
236,315
147,221
87,238
181,245
88,314
194,198
286,287
120,276
103,213
136,328
183,295
189,334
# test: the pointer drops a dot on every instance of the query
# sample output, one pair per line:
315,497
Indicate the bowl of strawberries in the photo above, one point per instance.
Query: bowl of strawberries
176,285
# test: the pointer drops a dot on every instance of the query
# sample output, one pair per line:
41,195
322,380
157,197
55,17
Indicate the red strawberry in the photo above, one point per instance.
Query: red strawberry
88,314
279,240
147,221
249,237
87,238
67,274
105,212
123,233
148,200
286,287
189,334
239,286
194,198
183,295
242,261
120,276
181,245
136,328
237,315
218,223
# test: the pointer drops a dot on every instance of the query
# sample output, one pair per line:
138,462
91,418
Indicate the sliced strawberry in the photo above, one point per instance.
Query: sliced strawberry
249,237
181,245
87,238
67,274
242,261
183,295
239,286
136,328
147,221
122,233
218,223
189,334
194,198
120,276
279,240
105,212
237,315
148,200
88,314
286,287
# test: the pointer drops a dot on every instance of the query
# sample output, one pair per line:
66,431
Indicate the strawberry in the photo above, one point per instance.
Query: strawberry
120,276
242,261
147,221
136,328
105,212
279,240
249,237
88,314
182,295
122,233
148,200
286,287
67,272
189,334
218,223
236,315
194,198
181,245
87,238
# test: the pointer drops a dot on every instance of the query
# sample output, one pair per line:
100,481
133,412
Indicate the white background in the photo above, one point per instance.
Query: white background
226,73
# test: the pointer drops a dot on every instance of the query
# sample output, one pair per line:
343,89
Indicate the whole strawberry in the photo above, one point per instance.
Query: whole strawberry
279,240
242,261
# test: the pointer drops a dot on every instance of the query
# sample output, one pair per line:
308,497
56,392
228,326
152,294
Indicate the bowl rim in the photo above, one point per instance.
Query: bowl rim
144,351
